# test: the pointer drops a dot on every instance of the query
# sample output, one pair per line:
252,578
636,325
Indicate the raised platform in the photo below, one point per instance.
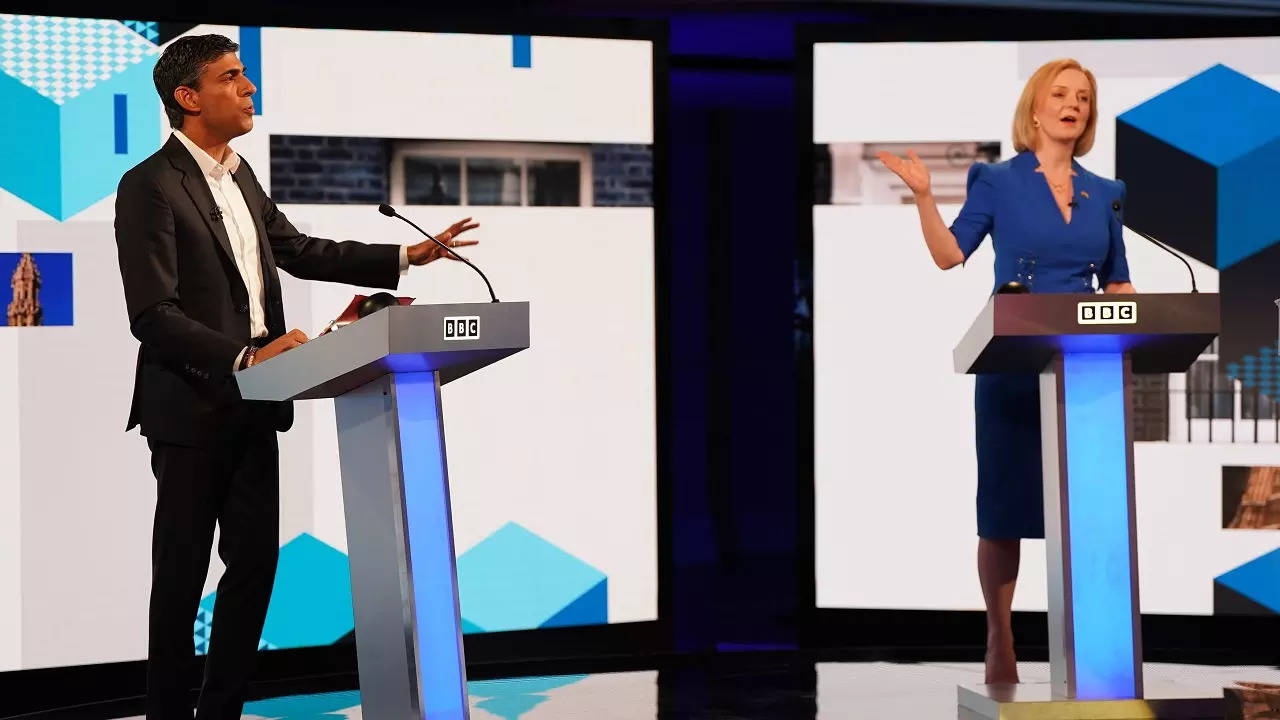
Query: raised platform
1035,701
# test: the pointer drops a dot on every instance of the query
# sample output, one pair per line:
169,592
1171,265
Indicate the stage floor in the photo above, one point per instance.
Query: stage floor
780,691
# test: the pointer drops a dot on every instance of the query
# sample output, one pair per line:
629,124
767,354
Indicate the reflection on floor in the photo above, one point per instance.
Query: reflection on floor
634,694
782,691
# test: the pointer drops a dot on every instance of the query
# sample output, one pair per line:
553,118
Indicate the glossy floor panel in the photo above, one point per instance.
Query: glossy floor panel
781,691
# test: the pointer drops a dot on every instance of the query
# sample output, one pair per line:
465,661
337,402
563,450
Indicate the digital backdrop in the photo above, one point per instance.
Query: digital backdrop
1188,125
546,141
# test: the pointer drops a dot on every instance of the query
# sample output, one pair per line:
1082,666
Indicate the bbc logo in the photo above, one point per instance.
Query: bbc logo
462,328
1107,313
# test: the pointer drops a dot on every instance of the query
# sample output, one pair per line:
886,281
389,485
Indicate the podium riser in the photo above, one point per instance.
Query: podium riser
400,541
1095,647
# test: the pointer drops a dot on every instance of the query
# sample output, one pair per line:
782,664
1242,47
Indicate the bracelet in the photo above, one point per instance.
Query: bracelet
249,357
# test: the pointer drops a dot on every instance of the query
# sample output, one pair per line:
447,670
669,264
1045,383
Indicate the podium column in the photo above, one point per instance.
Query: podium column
404,585
1095,644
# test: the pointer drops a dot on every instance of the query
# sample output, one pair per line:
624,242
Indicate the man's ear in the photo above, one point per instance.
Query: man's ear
187,100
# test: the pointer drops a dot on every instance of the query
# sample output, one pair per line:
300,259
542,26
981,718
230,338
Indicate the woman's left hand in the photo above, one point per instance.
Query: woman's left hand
1119,288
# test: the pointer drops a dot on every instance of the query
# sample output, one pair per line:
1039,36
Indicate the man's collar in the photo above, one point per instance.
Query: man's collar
208,165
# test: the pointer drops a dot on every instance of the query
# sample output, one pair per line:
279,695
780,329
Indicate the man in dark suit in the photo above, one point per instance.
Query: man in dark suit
200,244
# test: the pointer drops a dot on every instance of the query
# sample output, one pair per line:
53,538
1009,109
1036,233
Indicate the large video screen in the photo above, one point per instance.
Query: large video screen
1188,125
547,142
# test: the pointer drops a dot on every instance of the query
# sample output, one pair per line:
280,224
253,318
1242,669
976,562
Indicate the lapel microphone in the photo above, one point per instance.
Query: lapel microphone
216,214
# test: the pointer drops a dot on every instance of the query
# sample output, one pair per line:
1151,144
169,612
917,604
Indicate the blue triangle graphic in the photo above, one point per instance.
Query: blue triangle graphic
591,608
1258,580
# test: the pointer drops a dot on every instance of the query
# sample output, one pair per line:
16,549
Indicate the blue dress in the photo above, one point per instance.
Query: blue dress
1034,245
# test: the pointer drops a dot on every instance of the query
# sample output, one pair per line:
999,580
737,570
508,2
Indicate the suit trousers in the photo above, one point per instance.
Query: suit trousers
235,484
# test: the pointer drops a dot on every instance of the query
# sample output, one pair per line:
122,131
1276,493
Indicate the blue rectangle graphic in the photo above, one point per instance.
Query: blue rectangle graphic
521,51
1102,590
251,56
122,124
36,289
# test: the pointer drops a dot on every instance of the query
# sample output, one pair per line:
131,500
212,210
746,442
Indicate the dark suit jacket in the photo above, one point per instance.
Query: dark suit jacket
188,305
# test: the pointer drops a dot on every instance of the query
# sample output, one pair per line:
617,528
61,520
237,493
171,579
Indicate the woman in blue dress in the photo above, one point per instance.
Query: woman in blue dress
1054,229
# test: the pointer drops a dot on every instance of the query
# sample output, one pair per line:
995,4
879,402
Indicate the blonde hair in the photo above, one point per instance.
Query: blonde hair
1024,129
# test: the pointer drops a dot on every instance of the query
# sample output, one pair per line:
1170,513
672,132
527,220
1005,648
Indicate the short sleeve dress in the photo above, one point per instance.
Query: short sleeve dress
1011,201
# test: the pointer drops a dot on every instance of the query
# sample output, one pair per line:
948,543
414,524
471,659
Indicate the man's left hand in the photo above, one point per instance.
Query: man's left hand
425,252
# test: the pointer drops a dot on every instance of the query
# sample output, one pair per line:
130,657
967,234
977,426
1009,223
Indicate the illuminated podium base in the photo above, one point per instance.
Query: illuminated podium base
1085,349
384,373
1036,701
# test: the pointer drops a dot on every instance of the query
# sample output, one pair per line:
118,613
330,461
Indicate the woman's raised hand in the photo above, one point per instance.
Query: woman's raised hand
942,243
911,170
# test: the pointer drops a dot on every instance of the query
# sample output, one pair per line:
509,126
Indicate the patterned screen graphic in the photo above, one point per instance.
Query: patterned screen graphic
1203,161
548,534
69,84
1187,125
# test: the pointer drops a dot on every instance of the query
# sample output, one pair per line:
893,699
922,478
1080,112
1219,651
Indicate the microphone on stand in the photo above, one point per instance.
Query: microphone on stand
389,211
1115,207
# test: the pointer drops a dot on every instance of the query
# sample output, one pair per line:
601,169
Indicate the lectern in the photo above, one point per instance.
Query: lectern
384,373
1085,348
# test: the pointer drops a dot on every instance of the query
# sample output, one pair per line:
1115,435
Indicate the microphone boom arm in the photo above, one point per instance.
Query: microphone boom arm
1115,208
1172,252
384,210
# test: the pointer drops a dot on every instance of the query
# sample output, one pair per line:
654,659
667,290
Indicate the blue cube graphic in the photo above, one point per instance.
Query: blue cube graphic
80,109
310,601
1202,165
515,580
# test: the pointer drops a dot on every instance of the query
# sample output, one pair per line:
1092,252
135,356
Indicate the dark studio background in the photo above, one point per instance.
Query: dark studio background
733,202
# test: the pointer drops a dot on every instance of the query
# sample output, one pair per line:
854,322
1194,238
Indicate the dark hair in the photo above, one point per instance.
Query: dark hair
182,63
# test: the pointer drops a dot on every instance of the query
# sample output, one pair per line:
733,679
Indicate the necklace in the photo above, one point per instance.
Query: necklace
1060,189
1057,186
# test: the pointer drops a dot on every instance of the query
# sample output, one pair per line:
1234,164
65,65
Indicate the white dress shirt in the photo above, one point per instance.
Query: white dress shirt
238,221
241,231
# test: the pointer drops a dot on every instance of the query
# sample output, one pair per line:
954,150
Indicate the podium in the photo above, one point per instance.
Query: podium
384,373
1085,348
